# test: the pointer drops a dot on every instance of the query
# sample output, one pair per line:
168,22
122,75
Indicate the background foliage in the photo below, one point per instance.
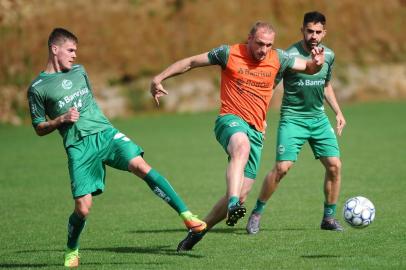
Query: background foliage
122,43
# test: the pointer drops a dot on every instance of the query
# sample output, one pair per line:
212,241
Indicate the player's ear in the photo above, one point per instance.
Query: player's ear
54,48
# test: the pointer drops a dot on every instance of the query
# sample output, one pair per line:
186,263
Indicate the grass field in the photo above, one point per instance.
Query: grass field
129,228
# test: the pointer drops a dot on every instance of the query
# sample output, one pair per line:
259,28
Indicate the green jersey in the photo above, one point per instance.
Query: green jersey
304,94
54,94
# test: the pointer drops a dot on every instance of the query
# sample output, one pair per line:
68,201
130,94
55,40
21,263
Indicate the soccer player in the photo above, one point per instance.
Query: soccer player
61,98
303,119
247,78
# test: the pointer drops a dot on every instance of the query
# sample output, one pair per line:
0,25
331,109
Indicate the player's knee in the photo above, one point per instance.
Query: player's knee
82,211
139,167
281,169
239,147
334,168
241,152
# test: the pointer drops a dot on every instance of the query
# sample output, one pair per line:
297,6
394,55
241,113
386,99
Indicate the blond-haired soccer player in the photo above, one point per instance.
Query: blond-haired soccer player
248,73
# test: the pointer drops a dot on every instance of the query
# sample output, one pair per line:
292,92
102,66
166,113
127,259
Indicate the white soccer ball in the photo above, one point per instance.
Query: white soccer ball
359,212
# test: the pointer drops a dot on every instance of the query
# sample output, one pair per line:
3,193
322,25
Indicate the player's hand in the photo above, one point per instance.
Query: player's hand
157,91
71,116
318,55
340,123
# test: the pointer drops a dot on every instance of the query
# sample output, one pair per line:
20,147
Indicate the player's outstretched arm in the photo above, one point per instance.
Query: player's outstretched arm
179,67
49,126
310,66
332,102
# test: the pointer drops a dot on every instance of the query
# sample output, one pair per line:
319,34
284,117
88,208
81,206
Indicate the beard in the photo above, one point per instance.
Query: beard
310,44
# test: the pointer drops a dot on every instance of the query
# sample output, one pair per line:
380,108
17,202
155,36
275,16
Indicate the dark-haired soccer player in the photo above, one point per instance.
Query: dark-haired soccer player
248,73
61,98
303,120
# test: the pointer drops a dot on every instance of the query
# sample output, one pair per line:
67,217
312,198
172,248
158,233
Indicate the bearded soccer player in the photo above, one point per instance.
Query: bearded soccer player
61,98
248,73
303,119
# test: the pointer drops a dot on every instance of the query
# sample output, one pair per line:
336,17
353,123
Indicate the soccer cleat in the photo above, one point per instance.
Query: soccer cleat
331,224
253,223
72,258
194,224
190,241
234,214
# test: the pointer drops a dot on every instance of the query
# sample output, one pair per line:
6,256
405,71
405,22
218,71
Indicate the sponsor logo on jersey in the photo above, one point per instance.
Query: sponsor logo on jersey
311,82
67,84
61,104
68,99
79,93
255,73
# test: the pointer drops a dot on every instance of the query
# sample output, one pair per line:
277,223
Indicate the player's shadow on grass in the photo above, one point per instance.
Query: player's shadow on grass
160,250
320,256
43,265
240,230
158,231
26,265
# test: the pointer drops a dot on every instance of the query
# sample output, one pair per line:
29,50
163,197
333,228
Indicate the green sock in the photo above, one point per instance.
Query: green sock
75,227
259,207
161,187
329,210
233,201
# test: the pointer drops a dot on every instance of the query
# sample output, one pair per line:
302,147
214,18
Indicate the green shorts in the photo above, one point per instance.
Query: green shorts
229,124
293,132
87,159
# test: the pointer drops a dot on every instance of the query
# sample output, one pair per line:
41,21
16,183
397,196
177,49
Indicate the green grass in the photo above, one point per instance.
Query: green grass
129,228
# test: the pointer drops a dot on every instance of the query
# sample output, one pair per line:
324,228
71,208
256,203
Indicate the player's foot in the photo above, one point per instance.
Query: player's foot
194,224
253,223
235,212
331,224
191,239
71,258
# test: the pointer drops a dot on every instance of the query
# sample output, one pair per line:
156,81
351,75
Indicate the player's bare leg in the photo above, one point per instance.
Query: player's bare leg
332,184
76,224
219,210
269,186
215,216
238,150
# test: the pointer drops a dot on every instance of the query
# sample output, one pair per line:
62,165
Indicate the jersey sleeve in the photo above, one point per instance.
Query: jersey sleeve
330,68
37,110
286,62
219,56
89,85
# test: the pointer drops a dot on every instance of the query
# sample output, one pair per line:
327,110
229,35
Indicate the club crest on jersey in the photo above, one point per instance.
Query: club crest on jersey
67,84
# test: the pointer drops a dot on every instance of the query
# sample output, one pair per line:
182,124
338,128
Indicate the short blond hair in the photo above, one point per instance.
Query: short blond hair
261,25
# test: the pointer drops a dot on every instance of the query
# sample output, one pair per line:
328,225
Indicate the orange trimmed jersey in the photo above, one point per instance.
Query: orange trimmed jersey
247,84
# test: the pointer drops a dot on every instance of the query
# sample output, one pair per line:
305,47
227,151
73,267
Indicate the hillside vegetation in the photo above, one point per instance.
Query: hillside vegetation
124,42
